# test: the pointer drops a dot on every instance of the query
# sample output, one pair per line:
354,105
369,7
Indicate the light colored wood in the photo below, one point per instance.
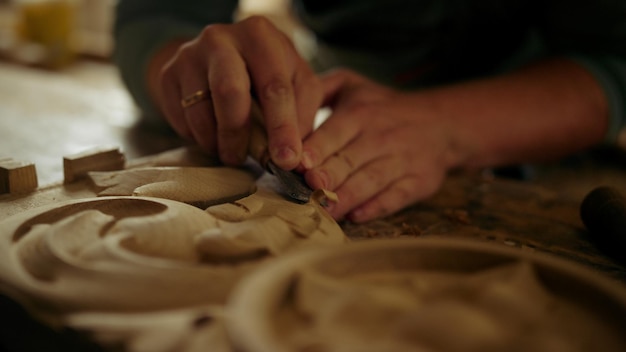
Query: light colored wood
17,177
140,257
197,186
176,265
429,294
77,166
83,187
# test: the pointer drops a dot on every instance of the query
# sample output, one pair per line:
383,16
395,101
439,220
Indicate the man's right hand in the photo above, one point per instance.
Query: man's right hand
229,64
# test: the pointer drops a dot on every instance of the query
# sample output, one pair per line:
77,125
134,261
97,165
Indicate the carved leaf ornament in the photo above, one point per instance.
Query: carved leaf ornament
160,248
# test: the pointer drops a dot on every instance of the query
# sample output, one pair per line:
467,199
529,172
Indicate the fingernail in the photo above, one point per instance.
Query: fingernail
307,161
285,154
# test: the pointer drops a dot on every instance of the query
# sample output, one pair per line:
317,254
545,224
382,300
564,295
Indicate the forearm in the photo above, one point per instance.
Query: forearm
542,112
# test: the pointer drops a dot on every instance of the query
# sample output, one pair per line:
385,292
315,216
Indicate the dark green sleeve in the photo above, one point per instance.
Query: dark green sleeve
593,33
143,26
610,72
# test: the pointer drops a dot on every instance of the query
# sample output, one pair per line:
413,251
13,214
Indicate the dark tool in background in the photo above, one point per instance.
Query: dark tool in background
603,211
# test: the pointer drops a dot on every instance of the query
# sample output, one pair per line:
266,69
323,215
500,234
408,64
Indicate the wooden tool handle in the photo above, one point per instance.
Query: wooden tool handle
603,211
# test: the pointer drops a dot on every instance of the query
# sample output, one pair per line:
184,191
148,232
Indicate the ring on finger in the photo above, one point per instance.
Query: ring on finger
194,98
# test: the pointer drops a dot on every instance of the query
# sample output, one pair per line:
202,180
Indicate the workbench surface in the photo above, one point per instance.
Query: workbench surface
45,115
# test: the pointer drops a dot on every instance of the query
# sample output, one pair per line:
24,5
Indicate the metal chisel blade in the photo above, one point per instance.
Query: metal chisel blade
292,183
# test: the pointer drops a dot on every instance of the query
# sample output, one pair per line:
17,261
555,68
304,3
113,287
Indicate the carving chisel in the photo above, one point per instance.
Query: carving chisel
291,183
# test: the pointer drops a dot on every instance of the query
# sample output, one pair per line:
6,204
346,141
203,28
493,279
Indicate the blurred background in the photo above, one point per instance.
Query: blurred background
51,33
59,92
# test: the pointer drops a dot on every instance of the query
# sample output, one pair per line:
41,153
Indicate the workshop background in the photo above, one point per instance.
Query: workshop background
59,92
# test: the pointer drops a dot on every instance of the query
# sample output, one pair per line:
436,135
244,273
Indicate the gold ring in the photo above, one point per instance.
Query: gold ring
193,99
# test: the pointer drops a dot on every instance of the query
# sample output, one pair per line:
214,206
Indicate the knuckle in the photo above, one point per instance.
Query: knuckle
213,37
276,89
262,31
375,178
185,52
406,190
176,63
257,24
211,32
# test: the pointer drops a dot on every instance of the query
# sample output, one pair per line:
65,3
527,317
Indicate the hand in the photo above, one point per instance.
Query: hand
228,63
380,149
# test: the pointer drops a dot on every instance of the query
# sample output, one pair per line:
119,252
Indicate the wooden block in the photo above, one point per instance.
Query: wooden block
78,165
17,176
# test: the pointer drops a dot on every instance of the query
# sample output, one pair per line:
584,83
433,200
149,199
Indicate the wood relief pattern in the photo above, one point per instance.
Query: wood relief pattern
155,255
434,294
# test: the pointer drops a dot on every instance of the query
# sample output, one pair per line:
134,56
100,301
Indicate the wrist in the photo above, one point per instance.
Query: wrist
433,108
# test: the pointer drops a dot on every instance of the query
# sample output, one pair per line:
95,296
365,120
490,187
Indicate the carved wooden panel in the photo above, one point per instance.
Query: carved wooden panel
176,254
431,294
144,257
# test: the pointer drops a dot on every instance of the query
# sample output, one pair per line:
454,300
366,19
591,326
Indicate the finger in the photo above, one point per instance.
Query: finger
202,125
398,195
230,90
171,97
308,99
270,58
333,135
316,148
309,94
198,116
336,169
366,183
